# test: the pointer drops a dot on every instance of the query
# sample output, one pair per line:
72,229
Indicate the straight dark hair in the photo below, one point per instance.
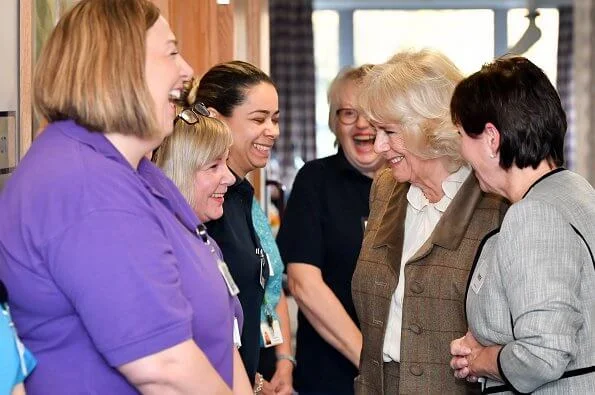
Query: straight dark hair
224,86
515,96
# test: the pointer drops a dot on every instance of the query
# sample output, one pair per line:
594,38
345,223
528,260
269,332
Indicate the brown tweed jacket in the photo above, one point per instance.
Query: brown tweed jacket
436,280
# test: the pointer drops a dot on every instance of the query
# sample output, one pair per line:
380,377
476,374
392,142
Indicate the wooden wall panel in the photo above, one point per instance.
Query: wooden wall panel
251,44
204,31
256,24
225,33
251,38
25,75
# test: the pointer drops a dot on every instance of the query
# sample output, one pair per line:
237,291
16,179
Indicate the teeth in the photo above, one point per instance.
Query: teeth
261,147
364,138
218,195
175,94
396,159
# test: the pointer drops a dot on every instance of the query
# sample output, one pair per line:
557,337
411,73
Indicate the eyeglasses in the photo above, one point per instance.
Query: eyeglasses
190,114
347,116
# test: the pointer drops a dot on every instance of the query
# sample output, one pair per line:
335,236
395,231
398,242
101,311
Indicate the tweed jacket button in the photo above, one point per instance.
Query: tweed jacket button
415,329
416,370
417,287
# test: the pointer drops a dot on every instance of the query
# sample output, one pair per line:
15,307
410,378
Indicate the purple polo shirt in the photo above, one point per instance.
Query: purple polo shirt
103,266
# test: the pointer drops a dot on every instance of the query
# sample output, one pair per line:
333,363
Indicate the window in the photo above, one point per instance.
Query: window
544,52
467,36
326,60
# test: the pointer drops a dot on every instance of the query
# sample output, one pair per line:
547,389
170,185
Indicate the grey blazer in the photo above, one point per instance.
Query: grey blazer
532,289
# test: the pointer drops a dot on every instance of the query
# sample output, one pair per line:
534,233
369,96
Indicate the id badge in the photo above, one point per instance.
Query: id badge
264,269
21,350
237,339
231,284
271,334
18,342
479,277
364,223
271,272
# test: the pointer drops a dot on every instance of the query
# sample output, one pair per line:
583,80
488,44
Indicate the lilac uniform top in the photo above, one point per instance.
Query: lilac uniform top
103,266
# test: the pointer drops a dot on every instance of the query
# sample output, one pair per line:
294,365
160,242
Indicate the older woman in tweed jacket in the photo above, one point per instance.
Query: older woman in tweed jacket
427,217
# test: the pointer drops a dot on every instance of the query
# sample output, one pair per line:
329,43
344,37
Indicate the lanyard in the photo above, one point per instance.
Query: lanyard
20,347
201,231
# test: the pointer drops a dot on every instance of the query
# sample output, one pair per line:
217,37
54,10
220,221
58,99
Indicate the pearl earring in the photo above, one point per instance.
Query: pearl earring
492,156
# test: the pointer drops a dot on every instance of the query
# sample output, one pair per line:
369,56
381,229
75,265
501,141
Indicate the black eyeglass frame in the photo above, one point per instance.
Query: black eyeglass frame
341,117
190,114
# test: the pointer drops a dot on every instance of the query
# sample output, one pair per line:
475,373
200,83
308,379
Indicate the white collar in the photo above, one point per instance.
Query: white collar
450,187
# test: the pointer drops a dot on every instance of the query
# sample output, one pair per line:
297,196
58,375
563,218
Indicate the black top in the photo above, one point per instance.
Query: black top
3,293
235,235
323,226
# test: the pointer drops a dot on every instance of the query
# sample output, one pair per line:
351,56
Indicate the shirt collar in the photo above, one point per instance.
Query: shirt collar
96,140
342,162
450,187
241,185
344,166
163,188
150,175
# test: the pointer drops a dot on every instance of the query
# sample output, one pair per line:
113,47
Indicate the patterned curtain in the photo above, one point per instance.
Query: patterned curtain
292,69
584,94
565,83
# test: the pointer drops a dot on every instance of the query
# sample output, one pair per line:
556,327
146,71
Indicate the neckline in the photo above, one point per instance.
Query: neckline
543,177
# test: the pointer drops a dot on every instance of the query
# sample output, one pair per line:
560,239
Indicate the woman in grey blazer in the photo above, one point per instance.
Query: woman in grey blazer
531,294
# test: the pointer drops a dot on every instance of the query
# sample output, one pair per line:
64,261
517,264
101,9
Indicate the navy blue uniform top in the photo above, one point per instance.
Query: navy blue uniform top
235,235
323,226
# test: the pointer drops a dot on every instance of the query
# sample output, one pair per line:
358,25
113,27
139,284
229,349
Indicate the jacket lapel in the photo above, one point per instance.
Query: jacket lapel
452,226
390,232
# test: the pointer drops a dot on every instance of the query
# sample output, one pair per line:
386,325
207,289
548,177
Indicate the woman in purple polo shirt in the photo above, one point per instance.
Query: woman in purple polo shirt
115,286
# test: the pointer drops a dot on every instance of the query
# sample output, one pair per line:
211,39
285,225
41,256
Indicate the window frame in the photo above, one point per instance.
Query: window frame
346,8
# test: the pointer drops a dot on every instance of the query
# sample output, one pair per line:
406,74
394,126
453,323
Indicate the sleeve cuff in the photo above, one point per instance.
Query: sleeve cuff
504,378
149,345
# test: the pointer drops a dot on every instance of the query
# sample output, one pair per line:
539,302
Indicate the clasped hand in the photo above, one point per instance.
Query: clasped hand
464,351
281,383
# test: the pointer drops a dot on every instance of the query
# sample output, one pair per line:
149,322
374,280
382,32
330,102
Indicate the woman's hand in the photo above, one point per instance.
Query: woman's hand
460,351
472,360
282,381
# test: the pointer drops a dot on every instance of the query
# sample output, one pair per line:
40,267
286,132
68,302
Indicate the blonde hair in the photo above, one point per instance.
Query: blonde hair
346,75
189,148
92,68
413,90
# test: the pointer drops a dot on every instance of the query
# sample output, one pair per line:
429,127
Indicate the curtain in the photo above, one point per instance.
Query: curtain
565,81
292,70
584,92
